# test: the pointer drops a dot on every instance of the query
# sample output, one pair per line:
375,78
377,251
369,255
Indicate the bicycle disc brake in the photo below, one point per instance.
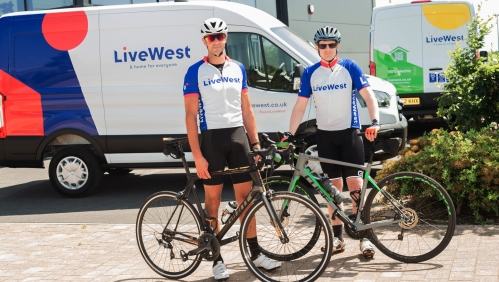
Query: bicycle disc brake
412,221
210,241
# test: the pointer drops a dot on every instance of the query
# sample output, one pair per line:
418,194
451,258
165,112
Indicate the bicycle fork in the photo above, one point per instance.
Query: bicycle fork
275,219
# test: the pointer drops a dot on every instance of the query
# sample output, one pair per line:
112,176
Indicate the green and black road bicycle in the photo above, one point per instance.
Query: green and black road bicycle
408,216
174,235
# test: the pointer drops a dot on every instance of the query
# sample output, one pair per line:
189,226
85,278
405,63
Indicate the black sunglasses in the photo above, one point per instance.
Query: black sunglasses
210,38
331,45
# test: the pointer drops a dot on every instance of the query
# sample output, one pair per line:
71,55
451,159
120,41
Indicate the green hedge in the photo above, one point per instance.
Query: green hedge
466,164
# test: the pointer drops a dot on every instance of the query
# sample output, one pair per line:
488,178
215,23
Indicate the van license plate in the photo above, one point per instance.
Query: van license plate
411,101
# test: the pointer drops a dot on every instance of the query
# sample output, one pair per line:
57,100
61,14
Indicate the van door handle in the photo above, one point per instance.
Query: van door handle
436,69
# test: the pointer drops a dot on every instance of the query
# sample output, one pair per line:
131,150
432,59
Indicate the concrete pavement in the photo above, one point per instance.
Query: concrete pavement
99,252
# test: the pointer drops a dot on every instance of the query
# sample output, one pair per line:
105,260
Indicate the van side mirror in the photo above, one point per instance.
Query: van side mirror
484,54
299,69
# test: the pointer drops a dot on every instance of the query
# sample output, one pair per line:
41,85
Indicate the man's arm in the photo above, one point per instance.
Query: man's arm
191,110
249,118
297,114
372,106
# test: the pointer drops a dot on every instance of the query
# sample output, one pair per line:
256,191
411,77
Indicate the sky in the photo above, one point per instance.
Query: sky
489,7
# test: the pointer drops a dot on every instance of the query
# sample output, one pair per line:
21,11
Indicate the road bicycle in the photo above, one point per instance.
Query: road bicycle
174,234
408,216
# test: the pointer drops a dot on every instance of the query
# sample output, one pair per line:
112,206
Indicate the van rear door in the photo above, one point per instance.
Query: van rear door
443,26
397,49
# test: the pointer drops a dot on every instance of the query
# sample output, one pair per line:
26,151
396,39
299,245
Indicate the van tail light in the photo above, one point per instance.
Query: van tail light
372,68
2,124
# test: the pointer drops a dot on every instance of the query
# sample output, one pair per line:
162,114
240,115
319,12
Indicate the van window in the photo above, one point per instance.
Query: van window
304,48
35,5
267,66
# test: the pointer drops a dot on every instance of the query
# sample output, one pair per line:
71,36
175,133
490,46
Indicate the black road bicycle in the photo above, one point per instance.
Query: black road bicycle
408,216
174,235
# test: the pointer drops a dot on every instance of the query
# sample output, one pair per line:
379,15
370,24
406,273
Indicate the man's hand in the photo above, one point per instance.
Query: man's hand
288,137
257,157
202,168
372,132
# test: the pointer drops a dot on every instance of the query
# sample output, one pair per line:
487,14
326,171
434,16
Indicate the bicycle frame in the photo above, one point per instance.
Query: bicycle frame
302,171
257,190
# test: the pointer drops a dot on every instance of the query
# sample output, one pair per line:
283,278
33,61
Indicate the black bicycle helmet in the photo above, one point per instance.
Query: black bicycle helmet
327,33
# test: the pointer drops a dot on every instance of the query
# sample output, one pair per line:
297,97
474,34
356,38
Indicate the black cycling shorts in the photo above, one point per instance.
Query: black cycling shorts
342,145
225,146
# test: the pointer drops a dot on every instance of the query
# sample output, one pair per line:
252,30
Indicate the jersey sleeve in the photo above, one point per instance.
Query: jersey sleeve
358,77
305,87
191,81
244,82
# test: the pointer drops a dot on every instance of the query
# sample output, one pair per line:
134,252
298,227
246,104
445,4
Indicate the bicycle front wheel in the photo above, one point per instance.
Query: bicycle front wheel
431,217
302,260
161,222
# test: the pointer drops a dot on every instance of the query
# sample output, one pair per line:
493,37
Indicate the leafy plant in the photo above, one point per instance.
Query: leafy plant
466,164
471,96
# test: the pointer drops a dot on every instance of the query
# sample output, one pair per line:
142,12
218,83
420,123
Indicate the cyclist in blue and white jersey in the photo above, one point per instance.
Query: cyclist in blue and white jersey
215,89
334,84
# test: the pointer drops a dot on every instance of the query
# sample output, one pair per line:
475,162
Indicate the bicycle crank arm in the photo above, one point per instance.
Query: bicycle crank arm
199,250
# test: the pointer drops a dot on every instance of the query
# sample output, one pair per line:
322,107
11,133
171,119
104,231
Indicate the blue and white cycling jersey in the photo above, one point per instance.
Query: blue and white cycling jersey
334,97
219,95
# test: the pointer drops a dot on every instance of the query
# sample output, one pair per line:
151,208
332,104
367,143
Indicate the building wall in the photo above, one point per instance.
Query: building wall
352,18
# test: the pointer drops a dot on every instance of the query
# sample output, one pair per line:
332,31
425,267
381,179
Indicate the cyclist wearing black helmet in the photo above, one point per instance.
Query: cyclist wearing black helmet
215,90
334,83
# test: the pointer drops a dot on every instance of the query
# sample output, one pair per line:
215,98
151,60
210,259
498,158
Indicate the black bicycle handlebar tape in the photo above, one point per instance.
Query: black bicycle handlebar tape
381,132
265,152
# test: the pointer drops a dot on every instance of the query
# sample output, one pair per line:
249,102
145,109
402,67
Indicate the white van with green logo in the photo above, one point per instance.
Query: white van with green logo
410,45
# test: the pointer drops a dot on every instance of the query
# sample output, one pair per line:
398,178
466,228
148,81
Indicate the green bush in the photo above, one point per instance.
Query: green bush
466,164
470,99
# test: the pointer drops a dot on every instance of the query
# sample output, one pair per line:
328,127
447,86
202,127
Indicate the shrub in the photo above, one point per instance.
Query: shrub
470,98
466,164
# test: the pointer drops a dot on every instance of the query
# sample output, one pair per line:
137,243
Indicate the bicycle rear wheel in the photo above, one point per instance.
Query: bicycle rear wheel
162,219
432,217
302,258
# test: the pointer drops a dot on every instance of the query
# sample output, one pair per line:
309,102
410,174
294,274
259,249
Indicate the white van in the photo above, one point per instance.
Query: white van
410,45
95,89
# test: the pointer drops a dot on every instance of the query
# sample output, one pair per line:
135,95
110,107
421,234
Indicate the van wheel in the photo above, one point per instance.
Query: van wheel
75,172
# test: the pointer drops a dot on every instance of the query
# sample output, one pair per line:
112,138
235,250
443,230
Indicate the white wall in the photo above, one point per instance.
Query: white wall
352,18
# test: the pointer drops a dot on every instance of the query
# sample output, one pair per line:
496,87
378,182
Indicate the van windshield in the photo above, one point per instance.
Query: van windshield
297,42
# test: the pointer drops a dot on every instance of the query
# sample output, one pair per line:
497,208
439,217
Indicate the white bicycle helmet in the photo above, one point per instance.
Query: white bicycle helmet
213,25
327,33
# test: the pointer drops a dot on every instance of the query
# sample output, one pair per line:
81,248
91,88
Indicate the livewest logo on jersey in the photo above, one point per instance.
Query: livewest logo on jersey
220,80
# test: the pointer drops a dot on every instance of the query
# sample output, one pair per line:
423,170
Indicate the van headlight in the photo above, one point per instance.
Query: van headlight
383,99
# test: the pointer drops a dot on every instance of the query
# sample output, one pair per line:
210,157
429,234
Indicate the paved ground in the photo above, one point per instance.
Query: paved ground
100,252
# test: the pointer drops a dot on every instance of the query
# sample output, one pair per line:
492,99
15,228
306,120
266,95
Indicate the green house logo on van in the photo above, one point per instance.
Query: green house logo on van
394,67
399,54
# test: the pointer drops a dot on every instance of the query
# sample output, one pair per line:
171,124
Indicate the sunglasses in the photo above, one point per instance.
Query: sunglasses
331,45
210,38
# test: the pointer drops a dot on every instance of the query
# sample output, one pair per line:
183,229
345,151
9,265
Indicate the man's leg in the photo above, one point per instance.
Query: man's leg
212,198
241,191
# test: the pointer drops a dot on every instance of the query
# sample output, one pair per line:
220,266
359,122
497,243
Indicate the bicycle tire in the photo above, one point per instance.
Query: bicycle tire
281,183
431,211
305,267
154,216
